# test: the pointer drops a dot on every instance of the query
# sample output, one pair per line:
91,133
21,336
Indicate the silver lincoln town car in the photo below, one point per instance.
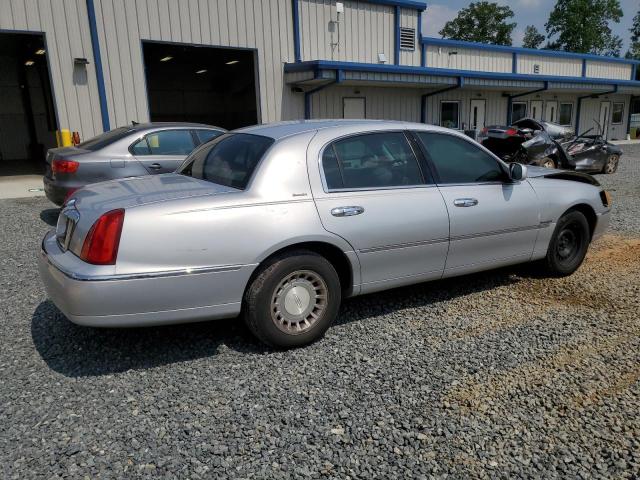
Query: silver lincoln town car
279,222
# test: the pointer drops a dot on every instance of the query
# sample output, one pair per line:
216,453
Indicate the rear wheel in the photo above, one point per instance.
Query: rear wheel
568,246
293,300
611,165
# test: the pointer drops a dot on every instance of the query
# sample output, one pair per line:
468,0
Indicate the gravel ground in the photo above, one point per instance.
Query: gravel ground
501,374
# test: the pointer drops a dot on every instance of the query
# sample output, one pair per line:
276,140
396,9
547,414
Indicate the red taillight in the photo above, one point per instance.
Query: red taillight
101,244
511,132
64,166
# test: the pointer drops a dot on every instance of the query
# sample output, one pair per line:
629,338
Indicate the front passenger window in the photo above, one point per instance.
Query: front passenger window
459,161
374,160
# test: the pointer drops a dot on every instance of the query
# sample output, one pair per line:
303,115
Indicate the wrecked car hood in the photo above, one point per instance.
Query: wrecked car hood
537,172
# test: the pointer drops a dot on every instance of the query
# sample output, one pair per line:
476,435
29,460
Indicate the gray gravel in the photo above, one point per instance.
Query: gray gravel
495,375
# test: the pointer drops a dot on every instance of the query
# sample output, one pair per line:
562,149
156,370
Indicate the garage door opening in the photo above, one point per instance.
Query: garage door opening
209,85
27,116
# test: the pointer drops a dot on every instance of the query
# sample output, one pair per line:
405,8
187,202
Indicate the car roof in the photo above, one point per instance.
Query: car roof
278,130
152,125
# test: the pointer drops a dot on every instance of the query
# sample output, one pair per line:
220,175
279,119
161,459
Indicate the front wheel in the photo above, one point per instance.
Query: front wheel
293,300
611,165
568,245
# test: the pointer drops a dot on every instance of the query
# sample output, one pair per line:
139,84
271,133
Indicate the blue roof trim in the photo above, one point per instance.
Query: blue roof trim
444,72
446,42
414,4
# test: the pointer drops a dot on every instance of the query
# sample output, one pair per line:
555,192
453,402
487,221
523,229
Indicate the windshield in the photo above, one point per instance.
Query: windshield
107,138
228,160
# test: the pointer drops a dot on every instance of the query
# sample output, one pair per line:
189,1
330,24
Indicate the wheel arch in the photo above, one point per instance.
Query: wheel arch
588,211
344,260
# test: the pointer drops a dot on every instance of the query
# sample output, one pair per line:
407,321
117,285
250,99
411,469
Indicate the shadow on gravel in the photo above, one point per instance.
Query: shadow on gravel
423,294
76,351
50,216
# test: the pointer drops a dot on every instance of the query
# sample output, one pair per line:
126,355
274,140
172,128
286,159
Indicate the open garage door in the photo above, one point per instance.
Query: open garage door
27,115
202,84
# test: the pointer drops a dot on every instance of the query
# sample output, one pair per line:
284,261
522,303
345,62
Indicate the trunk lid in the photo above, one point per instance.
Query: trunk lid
92,201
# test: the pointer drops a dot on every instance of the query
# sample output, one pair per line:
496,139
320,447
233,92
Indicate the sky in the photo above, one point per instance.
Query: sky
527,12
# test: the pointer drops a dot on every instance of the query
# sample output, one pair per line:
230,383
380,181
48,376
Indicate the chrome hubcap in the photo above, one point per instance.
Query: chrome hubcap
611,164
298,301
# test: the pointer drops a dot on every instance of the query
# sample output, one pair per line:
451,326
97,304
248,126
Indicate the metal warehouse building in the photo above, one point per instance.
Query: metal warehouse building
91,65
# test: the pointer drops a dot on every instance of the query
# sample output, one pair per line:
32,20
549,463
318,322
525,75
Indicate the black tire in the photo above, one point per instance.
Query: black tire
611,165
274,288
547,162
568,245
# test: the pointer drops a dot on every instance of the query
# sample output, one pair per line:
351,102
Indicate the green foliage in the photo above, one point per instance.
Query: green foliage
532,37
634,49
583,26
482,21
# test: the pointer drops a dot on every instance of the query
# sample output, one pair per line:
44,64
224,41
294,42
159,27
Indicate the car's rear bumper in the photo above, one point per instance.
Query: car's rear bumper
57,192
134,300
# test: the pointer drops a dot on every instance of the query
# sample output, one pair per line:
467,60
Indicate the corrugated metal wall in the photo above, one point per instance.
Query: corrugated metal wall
264,24
366,29
66,29
468,59
381,102
409,19
619,71
570,67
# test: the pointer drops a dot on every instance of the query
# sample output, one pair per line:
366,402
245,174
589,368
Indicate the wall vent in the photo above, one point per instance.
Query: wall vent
407,38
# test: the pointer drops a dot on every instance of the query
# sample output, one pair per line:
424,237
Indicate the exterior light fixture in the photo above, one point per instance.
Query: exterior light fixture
28,63
453,53
41,51
382,58
204,70
232,62
166,59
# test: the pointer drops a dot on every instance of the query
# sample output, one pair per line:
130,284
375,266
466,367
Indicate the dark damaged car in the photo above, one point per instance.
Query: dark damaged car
550,145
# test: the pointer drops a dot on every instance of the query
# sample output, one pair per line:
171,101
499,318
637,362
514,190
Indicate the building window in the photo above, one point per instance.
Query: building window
566,113
407,38
450,114
617,113
518,111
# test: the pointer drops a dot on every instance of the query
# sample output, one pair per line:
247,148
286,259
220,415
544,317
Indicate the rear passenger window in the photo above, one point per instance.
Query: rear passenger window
375,160
170,142
459,161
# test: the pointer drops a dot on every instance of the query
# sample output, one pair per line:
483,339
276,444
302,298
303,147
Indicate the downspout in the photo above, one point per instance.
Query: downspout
295,10
593,95
307,95
422,58
511,97
423,98
396,56
95,46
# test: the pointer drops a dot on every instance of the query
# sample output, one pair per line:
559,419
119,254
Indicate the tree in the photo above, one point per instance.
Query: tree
583,26
634,49
532,37
482,21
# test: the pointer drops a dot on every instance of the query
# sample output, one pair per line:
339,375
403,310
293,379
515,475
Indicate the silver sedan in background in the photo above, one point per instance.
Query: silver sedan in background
137,149
279,222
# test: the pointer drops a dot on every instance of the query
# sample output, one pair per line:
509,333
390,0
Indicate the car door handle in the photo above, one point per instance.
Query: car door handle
346,211
155,166
465,202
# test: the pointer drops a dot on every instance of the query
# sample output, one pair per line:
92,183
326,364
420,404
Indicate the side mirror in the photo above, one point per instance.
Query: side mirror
517,171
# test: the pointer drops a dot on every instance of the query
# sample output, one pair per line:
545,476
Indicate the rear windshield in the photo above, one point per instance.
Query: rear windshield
107,138
228,160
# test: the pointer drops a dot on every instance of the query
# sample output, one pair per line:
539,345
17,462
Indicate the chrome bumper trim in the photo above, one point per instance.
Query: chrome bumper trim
141,275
